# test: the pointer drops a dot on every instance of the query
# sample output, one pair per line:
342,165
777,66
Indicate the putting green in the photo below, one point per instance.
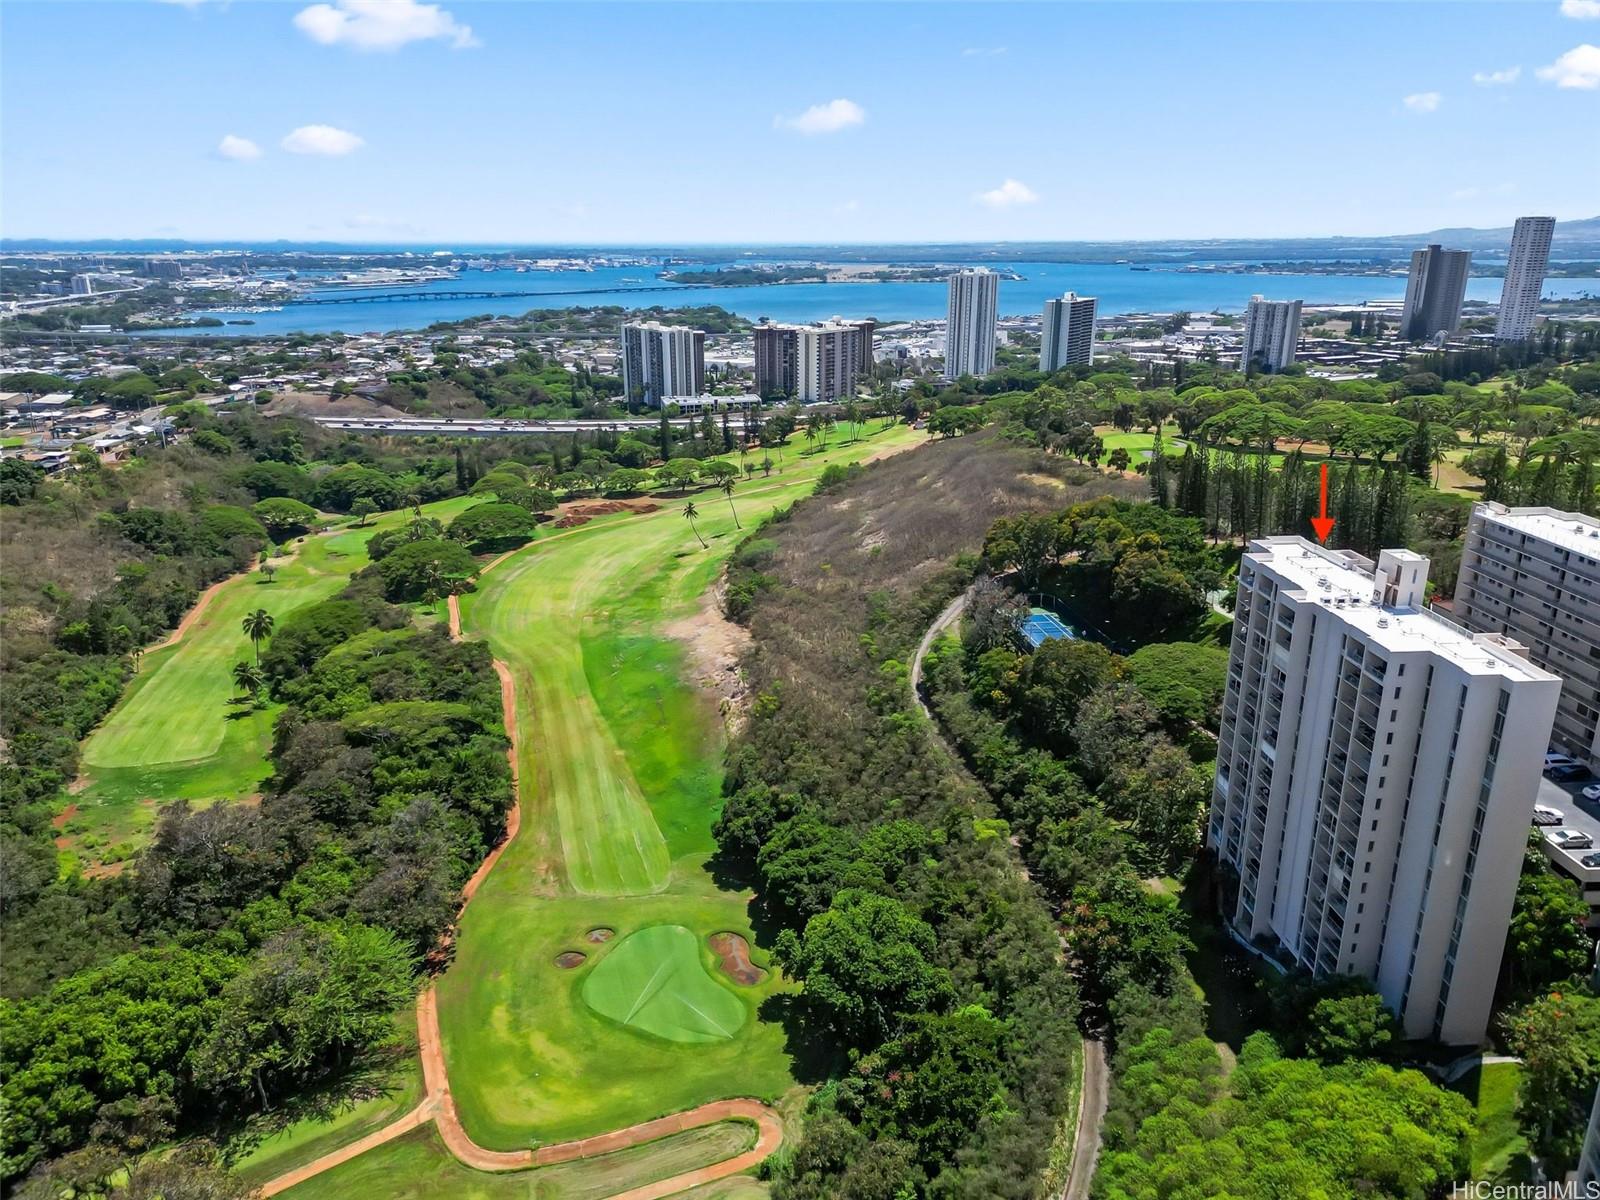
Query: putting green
655,981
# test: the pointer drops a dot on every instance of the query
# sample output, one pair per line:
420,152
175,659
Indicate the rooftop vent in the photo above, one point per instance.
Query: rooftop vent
1383,622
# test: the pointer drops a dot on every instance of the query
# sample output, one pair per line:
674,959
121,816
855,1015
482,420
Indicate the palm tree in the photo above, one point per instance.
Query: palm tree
726,487
257,627
690,512
247,677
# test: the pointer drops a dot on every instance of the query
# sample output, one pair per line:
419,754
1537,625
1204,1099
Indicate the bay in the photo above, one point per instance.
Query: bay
1119,289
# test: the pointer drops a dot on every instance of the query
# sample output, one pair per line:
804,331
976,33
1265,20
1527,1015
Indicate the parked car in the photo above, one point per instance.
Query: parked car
1592,792
1559,760
1563,774
1543,814
1591,860
1569,839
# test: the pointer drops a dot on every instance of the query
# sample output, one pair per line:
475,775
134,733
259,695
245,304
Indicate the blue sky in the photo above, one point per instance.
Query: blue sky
393,120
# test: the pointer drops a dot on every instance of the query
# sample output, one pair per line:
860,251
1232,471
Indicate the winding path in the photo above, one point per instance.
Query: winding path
438,1104
1092,1094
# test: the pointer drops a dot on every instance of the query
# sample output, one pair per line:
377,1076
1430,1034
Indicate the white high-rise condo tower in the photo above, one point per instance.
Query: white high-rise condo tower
1068,335
661,362
1519,298
969,332
1435,289
1376,772
1534,574
1271,334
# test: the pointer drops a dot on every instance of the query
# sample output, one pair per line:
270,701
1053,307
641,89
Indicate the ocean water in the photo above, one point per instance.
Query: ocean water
1119,289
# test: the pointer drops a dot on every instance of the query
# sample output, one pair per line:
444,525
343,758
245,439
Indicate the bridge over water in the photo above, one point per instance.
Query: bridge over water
459,294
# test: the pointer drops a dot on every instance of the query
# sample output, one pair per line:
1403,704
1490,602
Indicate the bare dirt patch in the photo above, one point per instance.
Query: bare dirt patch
104,870
600,933
60,820
578,514
568,959
716,645
322,404
733,956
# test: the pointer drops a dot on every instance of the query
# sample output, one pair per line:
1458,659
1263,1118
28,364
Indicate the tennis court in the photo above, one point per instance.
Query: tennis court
1040,625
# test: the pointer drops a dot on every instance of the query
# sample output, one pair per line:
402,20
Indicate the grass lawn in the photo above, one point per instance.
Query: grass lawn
1139,444
174,735
1499,1151
620,771
416,1166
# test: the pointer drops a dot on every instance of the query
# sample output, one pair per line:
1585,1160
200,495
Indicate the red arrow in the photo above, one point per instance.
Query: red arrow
1323,524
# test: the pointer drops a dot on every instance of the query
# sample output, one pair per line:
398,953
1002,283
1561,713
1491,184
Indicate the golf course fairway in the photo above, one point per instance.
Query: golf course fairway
174,735
620,776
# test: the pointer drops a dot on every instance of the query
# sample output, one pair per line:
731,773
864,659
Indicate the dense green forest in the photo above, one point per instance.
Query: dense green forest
936,1014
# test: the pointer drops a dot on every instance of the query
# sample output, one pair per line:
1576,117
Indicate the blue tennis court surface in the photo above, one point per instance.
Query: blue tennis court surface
1040,625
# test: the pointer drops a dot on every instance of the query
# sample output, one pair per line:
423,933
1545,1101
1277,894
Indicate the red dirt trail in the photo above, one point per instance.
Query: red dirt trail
439,1106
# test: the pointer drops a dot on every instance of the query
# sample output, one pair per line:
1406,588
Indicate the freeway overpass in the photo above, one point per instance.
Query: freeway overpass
508,427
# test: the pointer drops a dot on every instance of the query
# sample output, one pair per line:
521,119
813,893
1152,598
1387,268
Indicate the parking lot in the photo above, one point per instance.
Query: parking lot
1584,816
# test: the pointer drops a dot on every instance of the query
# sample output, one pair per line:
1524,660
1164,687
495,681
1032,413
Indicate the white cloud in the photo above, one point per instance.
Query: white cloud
1577,68
847,206
983,52
321,139
183,3
238,148
1581,10
1497,78
1008,195
824,118
381,24
1423,102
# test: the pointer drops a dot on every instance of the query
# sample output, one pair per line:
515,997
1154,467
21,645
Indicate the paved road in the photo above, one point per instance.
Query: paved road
952,613
1091,1111
1092,1094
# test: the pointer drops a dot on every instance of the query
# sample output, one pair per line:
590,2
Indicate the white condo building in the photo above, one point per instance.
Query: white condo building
1376,773
1271,334
969,331
1519,298
831,359
1067,339
662,362
1435,289
1534,574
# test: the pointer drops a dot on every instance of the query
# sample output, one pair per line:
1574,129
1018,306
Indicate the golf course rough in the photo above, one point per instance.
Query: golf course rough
655,981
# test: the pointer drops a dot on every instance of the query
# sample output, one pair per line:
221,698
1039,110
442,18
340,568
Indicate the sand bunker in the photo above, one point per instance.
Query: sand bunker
600,934
578,514
733,956
568,959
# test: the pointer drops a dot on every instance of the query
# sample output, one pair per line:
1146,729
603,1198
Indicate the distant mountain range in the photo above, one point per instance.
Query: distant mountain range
1578,239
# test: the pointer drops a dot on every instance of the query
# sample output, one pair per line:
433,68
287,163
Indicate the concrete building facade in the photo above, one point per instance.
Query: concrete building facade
1435,288
660,362
1068,334
832,359
1271,334
777,349
969,331
1589,1156
1525,268
1376,773
813,363
1534,574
